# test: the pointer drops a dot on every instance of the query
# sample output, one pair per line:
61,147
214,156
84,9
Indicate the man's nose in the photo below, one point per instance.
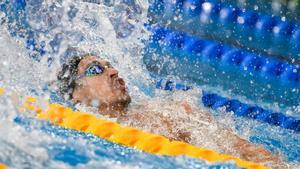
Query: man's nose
112,72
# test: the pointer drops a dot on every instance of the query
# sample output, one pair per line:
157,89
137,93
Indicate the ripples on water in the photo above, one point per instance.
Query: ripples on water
115,31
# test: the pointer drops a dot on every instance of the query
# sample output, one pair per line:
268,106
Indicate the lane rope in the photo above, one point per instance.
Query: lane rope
185,15
2,166
196,47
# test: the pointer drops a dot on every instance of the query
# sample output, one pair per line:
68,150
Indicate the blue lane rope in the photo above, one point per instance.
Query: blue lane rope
227,55
266,32
215,101
205,62
171,85
255,112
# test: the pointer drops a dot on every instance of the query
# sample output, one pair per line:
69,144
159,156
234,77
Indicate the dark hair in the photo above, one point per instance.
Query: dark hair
67,76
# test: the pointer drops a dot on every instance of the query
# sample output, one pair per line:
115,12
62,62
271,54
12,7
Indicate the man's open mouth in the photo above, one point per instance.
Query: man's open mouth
119,83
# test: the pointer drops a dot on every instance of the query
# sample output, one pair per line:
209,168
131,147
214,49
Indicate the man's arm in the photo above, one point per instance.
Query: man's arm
156,123
252,152
240,146
235,145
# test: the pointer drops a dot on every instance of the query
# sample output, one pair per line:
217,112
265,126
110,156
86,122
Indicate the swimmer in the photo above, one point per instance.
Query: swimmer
92,81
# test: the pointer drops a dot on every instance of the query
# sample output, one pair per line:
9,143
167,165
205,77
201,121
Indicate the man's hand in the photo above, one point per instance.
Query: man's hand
256,153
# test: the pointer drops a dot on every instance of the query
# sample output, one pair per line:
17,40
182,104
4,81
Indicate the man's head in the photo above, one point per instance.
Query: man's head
94,82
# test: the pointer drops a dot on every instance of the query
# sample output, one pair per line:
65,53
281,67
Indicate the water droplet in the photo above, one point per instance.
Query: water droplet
255,7
206,6
241,20
276,29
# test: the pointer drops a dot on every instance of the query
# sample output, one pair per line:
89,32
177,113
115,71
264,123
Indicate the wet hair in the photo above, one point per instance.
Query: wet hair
67,76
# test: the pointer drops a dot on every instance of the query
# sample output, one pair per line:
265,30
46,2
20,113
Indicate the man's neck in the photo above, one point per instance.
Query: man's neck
112,110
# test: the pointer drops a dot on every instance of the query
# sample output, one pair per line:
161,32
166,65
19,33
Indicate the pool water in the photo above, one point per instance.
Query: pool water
34,36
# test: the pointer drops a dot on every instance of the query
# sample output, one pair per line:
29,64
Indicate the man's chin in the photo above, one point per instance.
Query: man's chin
123,100
126,100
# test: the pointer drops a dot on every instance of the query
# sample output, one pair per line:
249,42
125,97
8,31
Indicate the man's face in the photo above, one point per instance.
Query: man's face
100,88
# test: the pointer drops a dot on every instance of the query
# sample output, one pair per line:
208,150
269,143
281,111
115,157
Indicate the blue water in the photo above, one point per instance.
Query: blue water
61,148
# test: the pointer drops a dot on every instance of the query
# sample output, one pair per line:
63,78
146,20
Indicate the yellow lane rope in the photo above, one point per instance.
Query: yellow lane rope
65,117
2,166
1,90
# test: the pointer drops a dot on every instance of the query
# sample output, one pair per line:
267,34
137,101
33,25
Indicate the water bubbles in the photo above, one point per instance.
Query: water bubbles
259,25
44,15
224,13
276,29
95,103
241,20
192,7
204,18
207,7
276,5
2,15
292,5
4,63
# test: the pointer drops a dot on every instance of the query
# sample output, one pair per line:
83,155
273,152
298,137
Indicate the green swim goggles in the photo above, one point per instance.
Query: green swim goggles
94,69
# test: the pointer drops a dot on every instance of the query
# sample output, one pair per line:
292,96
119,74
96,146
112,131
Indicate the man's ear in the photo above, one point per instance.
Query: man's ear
80,96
